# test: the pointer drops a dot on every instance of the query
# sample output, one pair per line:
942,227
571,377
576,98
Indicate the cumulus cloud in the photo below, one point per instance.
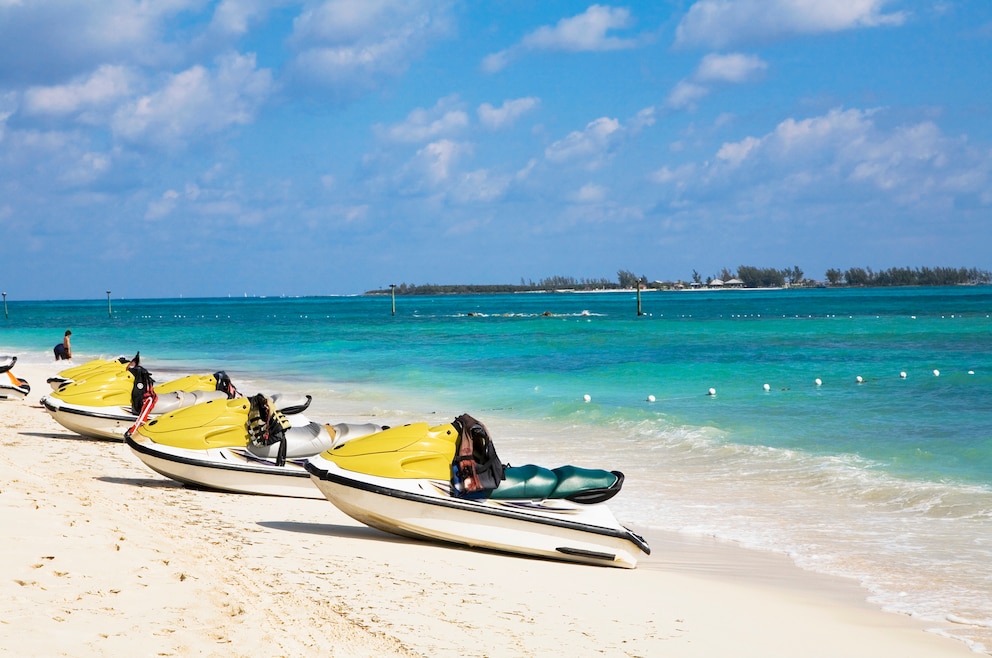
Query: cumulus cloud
734,68
590,193
586,32
196,101
678,175
52,40
432,169
715,69
643,119
104,86
729,23
685,94
847,152
446,118
163,206
495,118
235,16
591,145
349,47
438,171
479,186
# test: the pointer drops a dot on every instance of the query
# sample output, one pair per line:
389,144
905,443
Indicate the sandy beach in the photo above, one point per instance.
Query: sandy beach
103,557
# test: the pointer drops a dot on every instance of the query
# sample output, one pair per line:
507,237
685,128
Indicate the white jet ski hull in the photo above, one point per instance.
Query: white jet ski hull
425,509
241,469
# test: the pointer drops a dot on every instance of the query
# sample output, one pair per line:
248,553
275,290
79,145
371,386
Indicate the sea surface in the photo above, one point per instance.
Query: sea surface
709,402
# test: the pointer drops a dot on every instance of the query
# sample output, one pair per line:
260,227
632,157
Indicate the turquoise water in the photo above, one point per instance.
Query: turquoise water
888,481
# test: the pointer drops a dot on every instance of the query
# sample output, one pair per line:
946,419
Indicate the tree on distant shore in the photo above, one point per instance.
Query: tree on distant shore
750,276
904,276
767,277
629,279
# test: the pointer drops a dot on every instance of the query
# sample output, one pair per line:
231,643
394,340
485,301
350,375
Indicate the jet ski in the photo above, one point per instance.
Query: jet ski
11,386
106,404
246,445
88,369
445,483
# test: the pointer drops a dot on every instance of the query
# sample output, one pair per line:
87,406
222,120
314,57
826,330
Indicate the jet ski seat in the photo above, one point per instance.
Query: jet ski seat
301,441
312,439
17,385
7,362
580,485
178,399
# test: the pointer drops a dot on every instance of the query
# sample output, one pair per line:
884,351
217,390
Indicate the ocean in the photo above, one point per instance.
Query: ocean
850,429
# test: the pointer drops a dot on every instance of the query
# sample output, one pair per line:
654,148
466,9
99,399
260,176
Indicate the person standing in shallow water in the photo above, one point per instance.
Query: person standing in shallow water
63,351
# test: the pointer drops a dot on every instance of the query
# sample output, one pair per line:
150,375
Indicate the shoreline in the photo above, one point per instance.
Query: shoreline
105,556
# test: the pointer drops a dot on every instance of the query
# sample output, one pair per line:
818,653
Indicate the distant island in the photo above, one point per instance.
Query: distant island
746,276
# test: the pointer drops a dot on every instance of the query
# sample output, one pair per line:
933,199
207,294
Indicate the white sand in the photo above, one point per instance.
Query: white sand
103,557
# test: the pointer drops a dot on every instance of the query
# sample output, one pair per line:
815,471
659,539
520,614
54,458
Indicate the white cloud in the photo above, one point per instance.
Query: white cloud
196,101
591,144
163,206
735,68
350,46
446,118
86,169
435,162
590,193
356,213
845,153
685,94
643,119
713,69
234,16
54,40
504,115
479,186
735,153
437,172
678,175
495,62
586,32
104,86
724,23
3,124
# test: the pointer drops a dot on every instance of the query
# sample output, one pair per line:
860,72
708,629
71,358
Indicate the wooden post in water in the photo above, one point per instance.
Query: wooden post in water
392,294
109,311
5,306
639,299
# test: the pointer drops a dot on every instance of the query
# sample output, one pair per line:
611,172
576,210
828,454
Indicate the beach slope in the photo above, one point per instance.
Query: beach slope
104,557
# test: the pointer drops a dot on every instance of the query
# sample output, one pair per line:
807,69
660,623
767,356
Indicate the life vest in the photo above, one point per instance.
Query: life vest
267,425
143,389
225,385
476,466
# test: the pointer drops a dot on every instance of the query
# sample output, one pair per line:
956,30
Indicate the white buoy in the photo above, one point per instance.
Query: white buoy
902,374
587,397
818,381
712,391
936,373
860,380
650,398
971,372
767,387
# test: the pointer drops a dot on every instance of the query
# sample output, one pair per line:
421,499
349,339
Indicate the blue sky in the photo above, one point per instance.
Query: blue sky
201,148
